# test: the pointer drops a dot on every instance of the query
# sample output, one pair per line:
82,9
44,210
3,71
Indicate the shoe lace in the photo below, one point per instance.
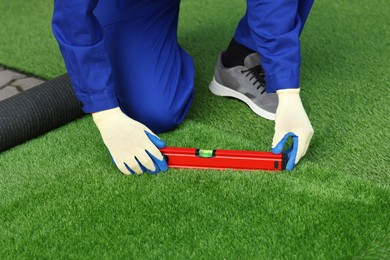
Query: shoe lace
257,72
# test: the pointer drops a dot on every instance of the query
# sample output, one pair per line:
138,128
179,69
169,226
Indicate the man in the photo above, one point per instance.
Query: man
128,71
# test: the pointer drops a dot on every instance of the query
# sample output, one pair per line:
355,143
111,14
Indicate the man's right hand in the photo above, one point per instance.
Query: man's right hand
133,146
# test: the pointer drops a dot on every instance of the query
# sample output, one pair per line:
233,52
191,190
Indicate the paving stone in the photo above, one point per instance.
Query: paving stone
26,83
7,76
7,92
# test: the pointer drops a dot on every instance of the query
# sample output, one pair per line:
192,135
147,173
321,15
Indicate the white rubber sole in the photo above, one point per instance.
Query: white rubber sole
220,90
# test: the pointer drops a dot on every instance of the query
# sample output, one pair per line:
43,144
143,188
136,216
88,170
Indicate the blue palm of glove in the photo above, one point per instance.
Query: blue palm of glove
291,152
160,165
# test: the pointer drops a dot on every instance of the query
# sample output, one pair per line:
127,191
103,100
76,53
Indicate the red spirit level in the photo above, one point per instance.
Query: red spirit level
223,159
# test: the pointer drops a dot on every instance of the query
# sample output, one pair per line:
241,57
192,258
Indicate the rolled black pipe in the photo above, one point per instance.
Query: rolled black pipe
37,111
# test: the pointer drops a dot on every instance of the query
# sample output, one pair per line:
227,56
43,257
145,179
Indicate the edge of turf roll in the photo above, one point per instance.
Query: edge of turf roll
37,111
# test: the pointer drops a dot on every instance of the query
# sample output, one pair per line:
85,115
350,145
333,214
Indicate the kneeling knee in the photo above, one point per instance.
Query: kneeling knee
159,118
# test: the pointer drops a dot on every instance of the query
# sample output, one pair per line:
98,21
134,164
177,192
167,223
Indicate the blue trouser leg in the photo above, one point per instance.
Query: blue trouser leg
153,75
273,27
243,34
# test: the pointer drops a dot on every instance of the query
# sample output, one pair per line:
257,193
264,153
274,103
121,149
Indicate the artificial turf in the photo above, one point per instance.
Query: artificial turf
60,196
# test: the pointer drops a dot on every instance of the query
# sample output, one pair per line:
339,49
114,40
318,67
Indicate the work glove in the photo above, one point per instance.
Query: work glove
291,121
132,145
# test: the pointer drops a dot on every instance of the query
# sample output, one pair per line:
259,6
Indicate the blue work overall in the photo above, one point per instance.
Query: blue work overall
126,53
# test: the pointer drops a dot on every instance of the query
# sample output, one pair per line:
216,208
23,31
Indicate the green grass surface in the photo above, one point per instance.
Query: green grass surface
60,196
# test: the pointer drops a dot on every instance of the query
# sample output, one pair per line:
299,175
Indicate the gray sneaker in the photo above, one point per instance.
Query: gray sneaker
247,84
